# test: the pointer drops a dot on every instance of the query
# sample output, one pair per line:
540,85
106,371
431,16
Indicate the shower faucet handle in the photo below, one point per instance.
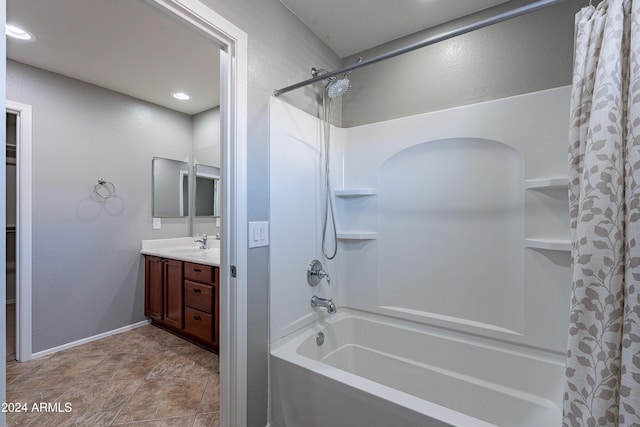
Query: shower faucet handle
315,273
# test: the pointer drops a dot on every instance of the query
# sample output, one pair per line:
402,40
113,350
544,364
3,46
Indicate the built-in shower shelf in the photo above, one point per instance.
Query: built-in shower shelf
549,244
546,184
355,192
362,235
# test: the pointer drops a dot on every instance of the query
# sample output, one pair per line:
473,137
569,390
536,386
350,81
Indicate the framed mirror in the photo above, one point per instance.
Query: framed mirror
170,188
207,190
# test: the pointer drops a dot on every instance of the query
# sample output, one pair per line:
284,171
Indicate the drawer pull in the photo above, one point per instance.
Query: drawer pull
197,270
197,318
197,291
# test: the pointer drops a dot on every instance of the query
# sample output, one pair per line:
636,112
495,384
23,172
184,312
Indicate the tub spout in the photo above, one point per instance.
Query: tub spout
322,302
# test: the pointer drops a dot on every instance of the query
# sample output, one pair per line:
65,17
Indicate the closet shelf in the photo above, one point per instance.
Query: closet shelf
355,192
362,235
549,244
546,184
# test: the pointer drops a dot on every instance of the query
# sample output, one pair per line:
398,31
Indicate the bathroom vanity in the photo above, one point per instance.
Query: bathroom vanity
181,289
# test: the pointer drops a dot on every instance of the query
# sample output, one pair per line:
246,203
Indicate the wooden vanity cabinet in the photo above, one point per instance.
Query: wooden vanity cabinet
163,291
201,302
153,287
173,305
183,297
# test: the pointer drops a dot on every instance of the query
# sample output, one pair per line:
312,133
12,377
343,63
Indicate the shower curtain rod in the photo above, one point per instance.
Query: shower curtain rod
522,10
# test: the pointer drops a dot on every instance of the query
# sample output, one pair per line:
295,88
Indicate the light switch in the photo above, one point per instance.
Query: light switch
157,224
258,234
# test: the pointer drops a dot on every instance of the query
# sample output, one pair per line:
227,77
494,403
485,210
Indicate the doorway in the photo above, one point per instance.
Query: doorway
18,226
11,154
233,44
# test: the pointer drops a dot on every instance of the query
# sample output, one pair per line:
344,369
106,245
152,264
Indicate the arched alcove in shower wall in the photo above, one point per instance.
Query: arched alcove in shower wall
450,215
464,229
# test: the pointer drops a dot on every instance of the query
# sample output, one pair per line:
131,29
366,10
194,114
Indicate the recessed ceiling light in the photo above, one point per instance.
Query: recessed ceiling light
181,96
17,32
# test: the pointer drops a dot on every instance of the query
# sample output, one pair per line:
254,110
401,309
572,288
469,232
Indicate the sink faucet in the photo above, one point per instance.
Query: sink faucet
316,301
202,240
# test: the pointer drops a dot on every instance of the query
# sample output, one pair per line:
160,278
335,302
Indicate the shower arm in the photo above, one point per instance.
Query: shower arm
518,11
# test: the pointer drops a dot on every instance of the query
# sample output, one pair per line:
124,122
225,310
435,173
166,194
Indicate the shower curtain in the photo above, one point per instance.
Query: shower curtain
603,356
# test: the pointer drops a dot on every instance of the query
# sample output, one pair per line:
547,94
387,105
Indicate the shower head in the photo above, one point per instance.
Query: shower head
335,86
339,87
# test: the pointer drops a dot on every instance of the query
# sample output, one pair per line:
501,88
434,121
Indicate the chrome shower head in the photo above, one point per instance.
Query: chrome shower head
339,87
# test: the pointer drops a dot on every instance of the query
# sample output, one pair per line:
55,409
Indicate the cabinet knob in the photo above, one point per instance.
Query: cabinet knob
197,291
197,270
197,318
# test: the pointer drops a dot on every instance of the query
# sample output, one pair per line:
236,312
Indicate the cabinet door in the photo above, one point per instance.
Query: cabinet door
173,308
216,308
153,287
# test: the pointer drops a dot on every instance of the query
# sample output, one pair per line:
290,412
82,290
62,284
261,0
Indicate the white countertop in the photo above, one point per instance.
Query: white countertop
183,249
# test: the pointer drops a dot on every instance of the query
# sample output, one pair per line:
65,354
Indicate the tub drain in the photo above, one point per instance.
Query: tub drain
320,338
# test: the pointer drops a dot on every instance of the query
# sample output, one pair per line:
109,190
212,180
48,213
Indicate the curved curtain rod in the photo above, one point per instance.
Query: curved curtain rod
522,10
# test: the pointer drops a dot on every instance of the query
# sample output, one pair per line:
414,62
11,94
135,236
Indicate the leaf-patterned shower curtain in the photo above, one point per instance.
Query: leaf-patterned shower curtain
603,357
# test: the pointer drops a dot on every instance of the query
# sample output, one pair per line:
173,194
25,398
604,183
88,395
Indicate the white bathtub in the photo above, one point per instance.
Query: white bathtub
376,371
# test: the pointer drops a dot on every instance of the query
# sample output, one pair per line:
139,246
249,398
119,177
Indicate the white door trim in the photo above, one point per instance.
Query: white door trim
23,228
233,122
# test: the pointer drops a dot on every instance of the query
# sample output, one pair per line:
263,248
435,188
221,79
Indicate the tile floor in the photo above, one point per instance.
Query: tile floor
144,377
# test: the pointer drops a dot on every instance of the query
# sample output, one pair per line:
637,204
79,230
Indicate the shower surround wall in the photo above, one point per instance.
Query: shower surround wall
451,229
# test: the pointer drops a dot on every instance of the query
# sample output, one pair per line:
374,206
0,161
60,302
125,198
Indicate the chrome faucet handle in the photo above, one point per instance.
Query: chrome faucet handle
202,240
315,273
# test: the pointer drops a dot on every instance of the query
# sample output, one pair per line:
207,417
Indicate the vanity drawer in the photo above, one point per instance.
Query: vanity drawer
198,296
198,272
198,323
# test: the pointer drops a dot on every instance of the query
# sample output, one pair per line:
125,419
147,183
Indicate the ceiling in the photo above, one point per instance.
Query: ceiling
352,26
123,45
130,47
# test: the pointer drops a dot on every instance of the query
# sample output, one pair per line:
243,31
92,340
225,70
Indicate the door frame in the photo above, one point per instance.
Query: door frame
24,186
233,46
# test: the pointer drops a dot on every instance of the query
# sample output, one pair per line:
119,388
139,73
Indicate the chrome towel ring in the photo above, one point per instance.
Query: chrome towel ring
104,190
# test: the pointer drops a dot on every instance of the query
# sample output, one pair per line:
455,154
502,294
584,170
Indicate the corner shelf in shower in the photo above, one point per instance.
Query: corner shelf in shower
355,192
548,244
546,184
362,235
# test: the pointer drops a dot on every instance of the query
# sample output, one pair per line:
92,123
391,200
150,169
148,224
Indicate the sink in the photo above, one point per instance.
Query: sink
188,251
211,252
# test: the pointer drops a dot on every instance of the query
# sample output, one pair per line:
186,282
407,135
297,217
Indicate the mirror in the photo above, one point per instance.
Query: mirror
207,182
170,188
206,158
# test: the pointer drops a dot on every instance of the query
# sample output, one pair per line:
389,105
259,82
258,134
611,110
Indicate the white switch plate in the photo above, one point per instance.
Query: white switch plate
157,224
258,234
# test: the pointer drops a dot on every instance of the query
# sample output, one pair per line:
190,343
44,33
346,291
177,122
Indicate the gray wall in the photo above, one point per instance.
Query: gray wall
525,54
281,52
206,150
88,273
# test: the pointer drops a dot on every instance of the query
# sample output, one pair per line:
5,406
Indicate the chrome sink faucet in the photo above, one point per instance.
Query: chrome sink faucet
316,301
202,240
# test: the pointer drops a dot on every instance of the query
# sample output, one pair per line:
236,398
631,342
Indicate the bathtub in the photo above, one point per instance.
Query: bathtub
376,371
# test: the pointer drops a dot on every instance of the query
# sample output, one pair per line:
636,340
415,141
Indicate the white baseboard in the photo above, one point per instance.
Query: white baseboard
88,339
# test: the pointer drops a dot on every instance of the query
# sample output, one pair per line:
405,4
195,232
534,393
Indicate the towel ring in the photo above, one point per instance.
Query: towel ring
104,190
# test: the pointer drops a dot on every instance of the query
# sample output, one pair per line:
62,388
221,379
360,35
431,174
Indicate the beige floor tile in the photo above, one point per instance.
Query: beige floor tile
211,399
95,404
164,338
165,397
120,366
26,414
55,373
143,377
167,422
186,361
210,419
